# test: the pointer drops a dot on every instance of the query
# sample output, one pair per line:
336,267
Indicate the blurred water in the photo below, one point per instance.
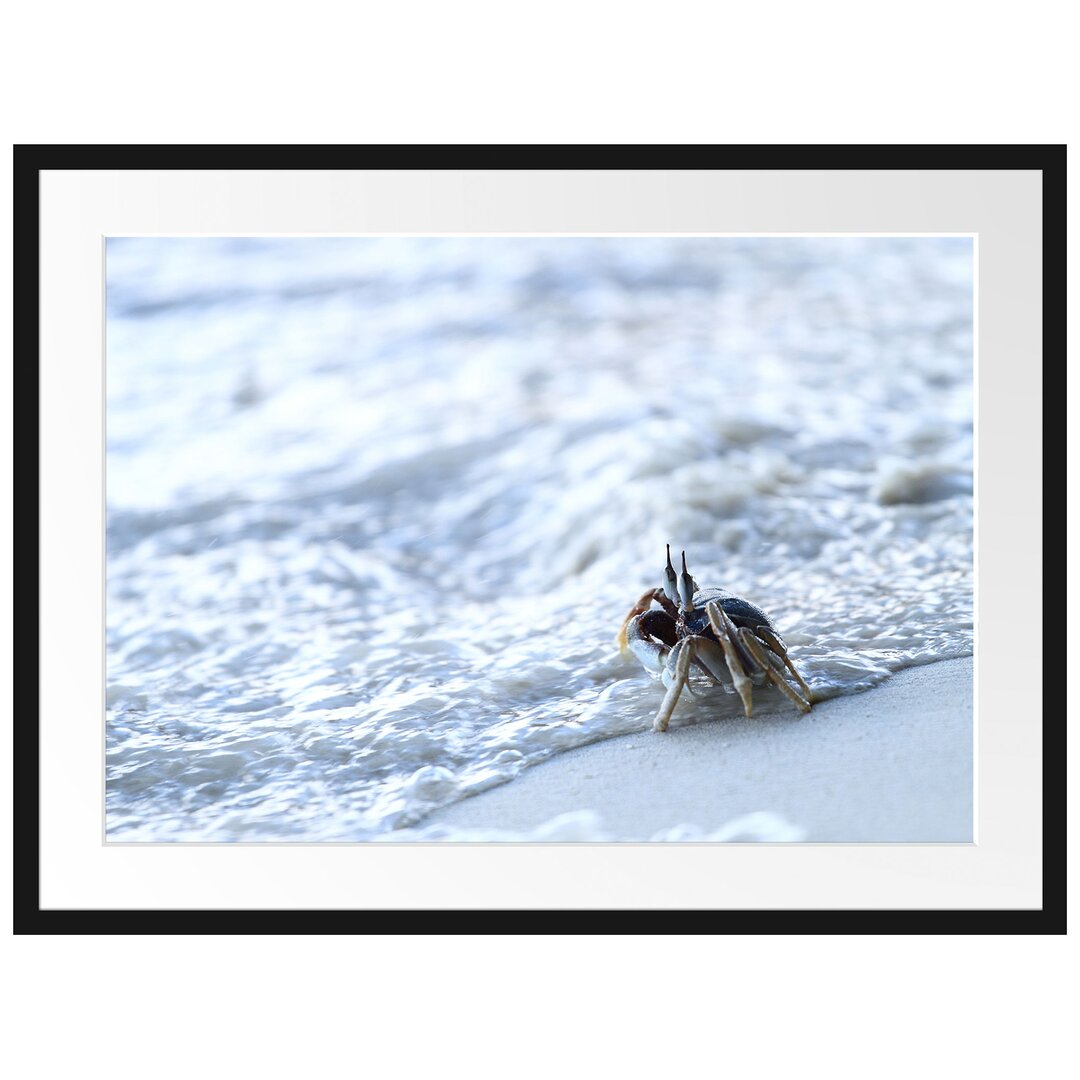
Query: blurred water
376,507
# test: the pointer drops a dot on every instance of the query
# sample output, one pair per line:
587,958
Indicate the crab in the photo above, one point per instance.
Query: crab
732,641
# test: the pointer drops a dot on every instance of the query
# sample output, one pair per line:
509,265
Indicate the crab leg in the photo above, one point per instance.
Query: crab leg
682,653
668,674
778,647
725,633
710,658
758,650
751,663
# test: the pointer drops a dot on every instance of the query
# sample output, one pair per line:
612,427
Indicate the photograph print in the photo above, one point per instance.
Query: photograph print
520,539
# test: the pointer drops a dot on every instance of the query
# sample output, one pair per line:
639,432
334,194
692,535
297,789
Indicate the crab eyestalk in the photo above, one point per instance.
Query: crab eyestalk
686,587
671,586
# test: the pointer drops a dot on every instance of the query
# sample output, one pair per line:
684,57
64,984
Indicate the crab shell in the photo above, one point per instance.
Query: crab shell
741,612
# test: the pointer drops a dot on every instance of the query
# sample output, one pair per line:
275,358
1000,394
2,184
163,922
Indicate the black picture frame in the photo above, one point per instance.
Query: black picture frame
31,160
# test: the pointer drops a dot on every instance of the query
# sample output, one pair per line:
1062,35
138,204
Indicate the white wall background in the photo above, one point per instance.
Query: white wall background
827,72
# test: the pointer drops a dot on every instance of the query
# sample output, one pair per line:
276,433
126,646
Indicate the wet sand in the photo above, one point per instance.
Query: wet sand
891,764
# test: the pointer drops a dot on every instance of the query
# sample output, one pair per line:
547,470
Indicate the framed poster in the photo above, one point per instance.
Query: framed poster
384,453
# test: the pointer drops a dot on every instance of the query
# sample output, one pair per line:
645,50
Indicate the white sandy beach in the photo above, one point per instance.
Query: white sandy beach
890,764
